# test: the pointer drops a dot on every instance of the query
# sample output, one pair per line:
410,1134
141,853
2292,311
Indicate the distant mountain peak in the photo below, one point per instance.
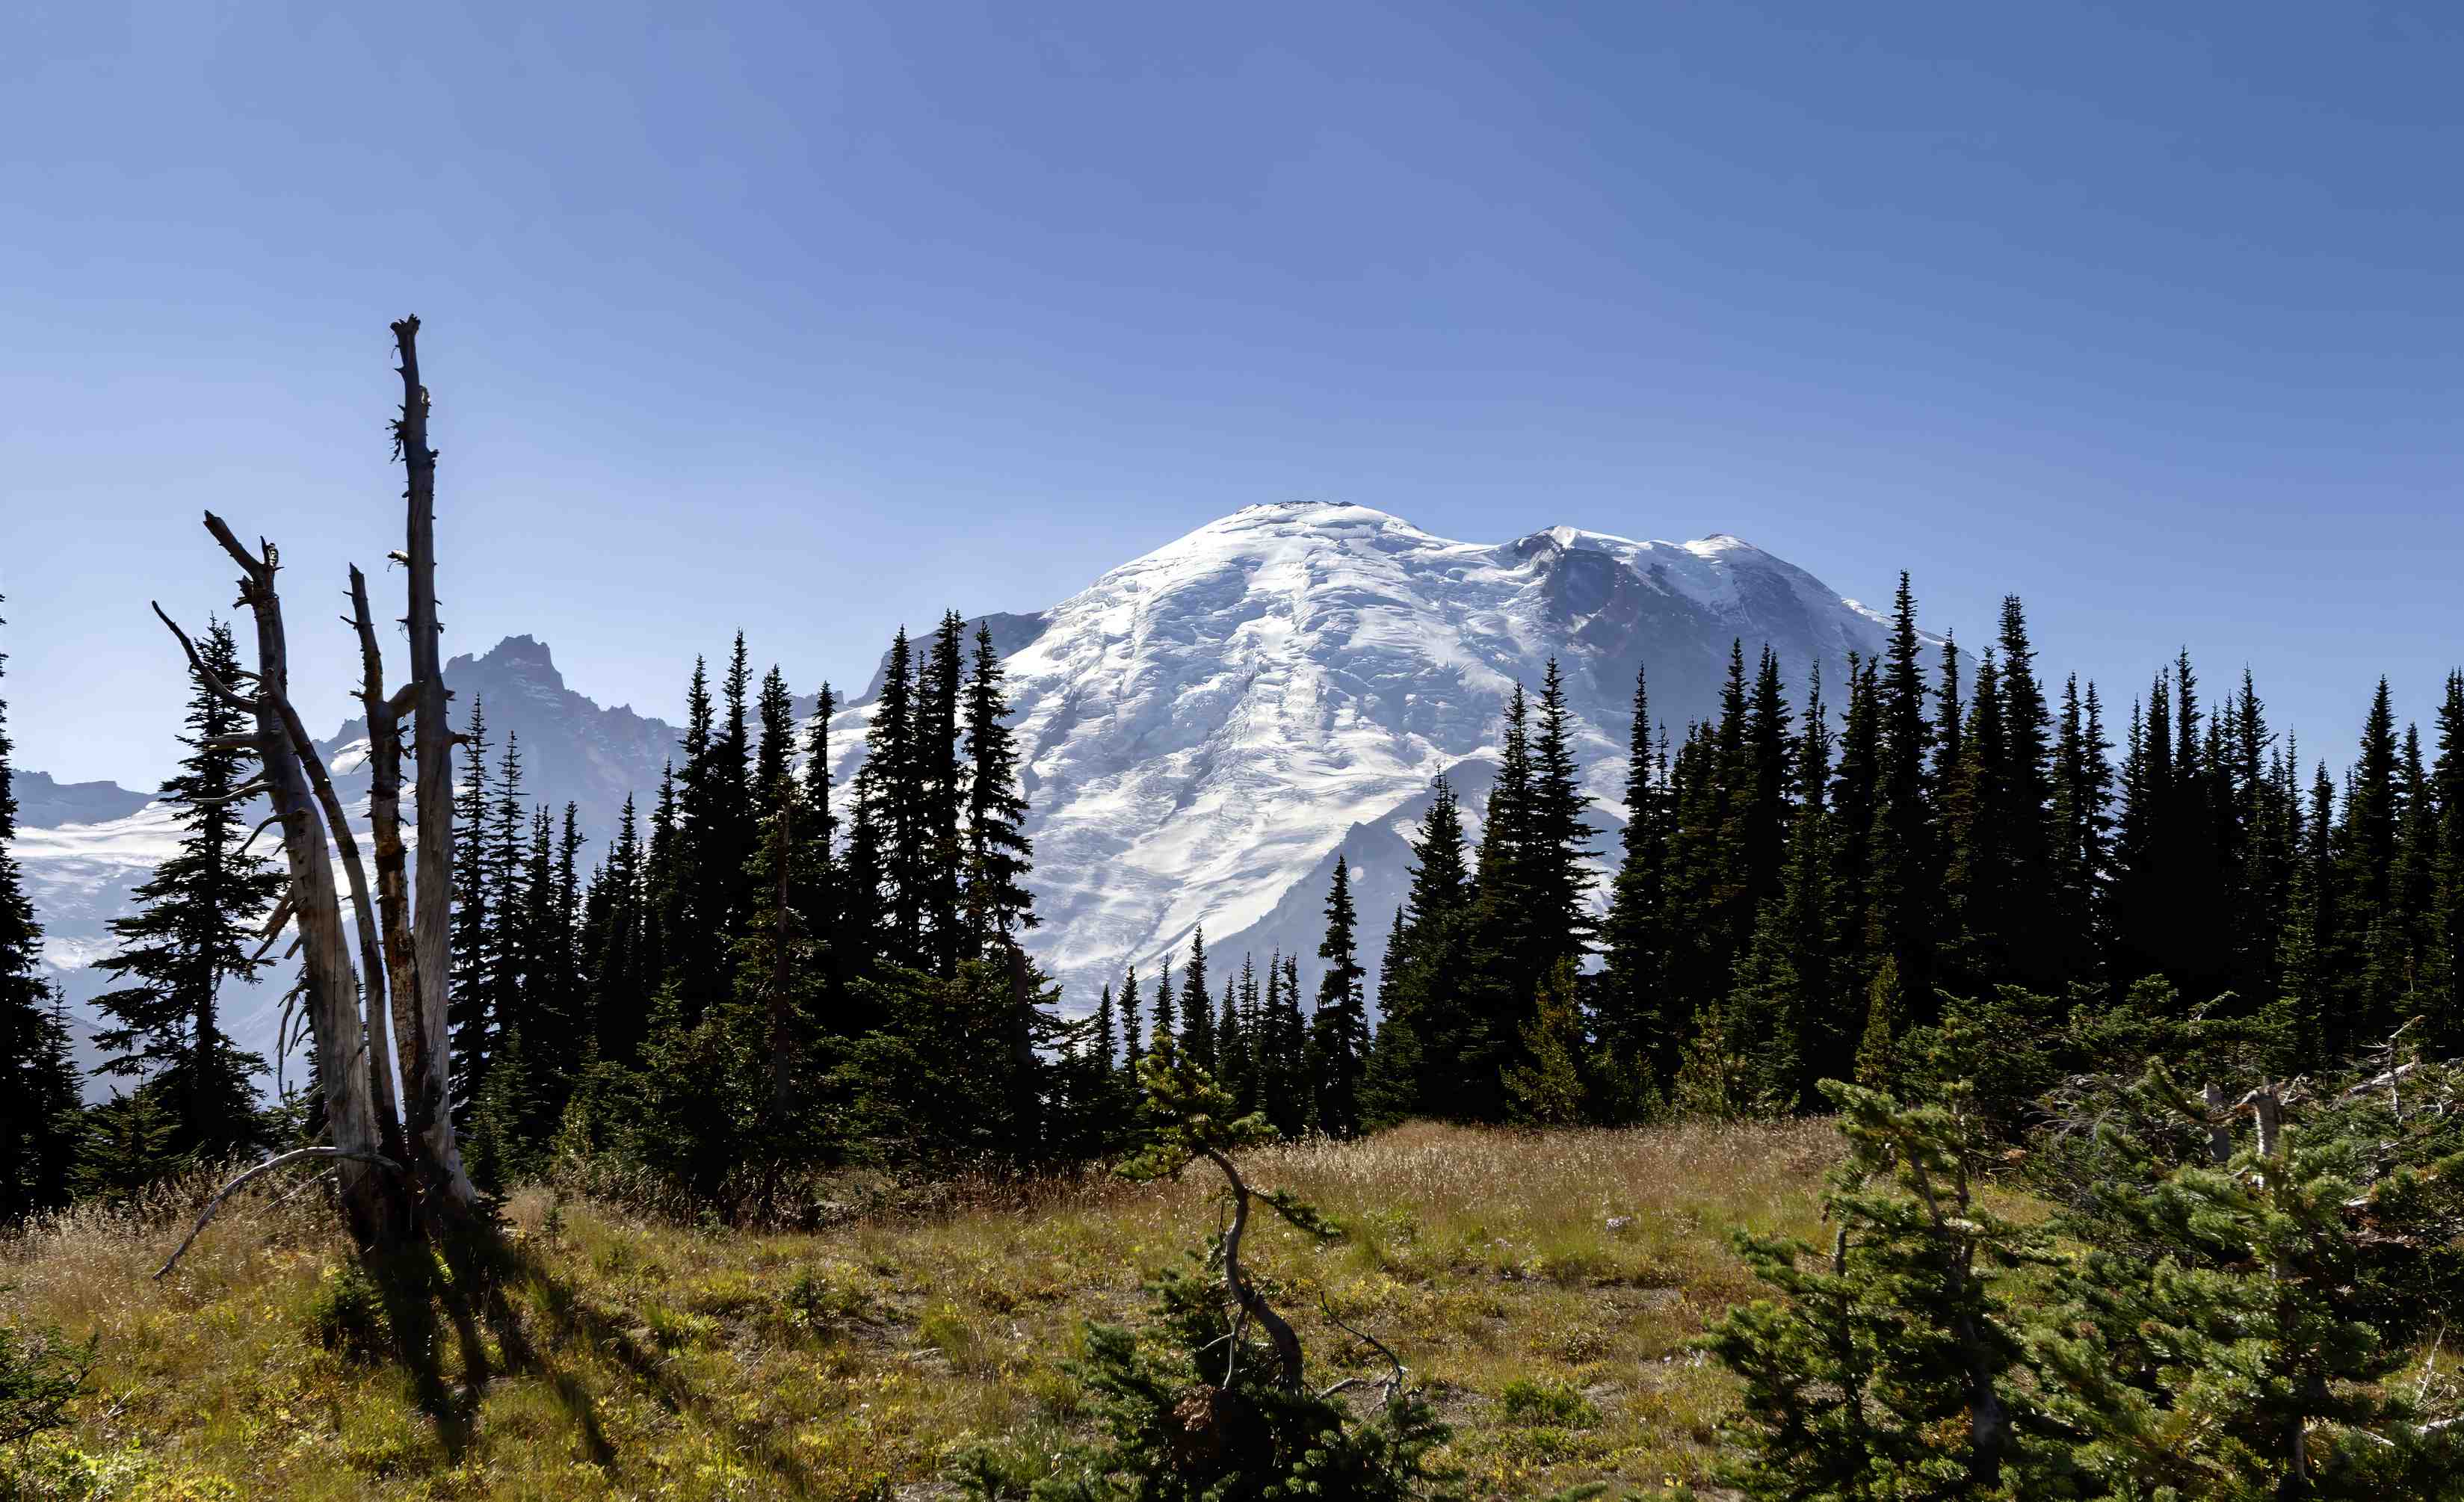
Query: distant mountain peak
524,655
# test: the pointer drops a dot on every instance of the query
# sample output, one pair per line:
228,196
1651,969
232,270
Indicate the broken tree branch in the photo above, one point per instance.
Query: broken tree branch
268,1166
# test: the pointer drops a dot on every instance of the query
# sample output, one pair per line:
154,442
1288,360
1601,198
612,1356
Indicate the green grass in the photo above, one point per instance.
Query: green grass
1545,1287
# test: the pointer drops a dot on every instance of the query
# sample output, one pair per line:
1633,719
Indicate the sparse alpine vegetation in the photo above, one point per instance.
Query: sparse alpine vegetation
1545,1290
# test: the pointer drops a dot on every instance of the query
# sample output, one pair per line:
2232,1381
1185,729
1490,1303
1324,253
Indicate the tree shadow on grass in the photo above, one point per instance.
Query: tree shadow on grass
481,1285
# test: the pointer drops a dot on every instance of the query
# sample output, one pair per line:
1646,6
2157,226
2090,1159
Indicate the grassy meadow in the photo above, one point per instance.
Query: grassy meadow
1544,1286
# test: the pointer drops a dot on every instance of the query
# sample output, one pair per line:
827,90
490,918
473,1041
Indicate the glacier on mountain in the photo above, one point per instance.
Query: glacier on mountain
1202,729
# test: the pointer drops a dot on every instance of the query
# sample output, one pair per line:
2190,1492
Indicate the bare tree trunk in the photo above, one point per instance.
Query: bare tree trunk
369,1202
384,717
436,1157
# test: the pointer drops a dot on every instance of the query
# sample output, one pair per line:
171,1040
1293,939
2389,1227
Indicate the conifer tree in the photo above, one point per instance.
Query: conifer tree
734,809
2220,1352
614,976
1231,1045
2032,939
1631,1019
998,853
864,906
1283,1079
1978,892
1339,1029
660,874
1756,781
1557,841
467,1017
1788,1007
2443,987
2080,824
895,762
1900,871
1433,1021
1131,1044
1493,988
1546,1088
196,925
821,899
39,1131
506,868
773,751
1101,1041
1898,1371
1196,1006
1165,1025
692,892
944,798
1390,1082
1856,783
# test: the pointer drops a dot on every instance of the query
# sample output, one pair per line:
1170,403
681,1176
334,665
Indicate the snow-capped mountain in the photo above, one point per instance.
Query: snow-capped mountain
1202,728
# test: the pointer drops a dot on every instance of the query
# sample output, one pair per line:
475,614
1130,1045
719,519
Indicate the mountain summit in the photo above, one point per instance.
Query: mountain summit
1202,728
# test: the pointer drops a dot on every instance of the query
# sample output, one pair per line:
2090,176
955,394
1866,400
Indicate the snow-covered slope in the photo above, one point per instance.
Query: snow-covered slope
85,847
1204,727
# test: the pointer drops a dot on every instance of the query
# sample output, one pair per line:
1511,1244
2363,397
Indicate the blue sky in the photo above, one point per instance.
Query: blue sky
810,319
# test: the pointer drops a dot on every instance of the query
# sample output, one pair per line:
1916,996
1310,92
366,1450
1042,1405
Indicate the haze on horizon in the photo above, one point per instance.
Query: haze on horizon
809,322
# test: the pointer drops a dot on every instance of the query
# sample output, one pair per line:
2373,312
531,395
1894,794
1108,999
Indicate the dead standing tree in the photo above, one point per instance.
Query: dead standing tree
392,1179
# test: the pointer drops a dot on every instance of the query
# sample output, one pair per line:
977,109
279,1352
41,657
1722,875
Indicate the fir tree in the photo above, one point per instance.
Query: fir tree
1631,1018
1164,1026
196,925
39,1131
1390,1082
1547,1089
1900,1370
735,806
998,853
2443,988
944,800
1283,1079
467,1018
1196,1006
620,983
1900,873
2220,1353
1231,1044
506,867
1339,1031
893,768
1131,1044
2031,934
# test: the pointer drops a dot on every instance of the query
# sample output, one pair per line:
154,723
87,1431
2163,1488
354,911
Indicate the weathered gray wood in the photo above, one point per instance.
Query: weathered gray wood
436,1156
399,1016
371,1205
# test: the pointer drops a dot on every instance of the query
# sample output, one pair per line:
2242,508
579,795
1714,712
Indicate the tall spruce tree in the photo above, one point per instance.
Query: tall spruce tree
940,788
196,925
997,854
2443,988
1900,876
40,1129
894,760
1630,1016
466,1018
1339,1028
2032,941
619,982
1198,1006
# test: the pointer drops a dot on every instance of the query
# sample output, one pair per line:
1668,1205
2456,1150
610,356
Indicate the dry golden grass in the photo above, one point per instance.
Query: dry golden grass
1544,1285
